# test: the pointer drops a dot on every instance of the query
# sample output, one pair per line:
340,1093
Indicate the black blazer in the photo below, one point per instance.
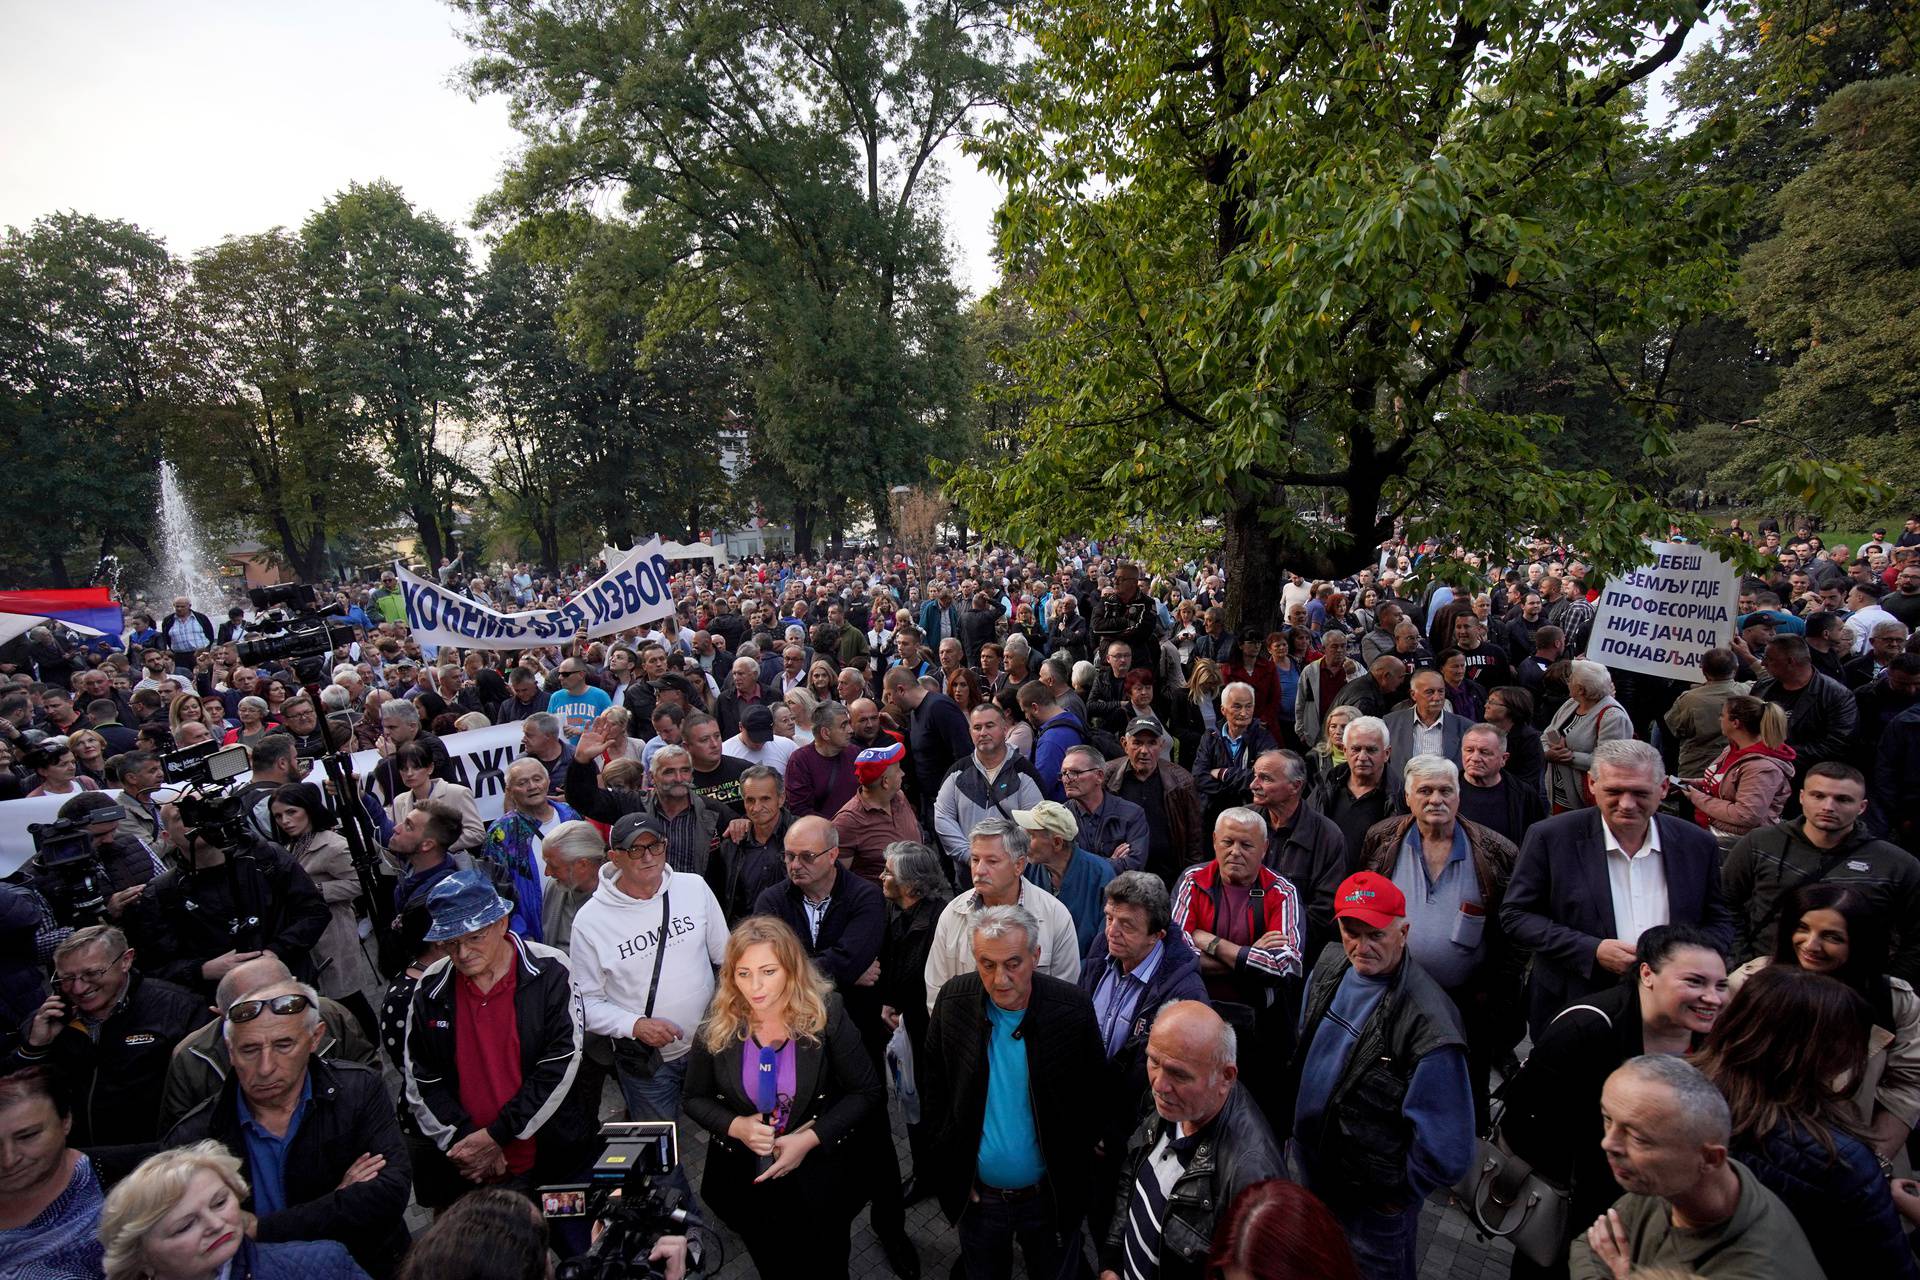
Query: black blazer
834,1087
1559,904
850,936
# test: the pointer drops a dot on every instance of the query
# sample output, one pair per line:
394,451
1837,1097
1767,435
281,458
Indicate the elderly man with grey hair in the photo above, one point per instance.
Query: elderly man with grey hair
1688,1205
1356,794
1588,883
1004,1086
399,725
997,855
317,1138
1454,874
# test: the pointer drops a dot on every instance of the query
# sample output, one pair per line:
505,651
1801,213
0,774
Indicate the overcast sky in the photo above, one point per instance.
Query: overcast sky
199,119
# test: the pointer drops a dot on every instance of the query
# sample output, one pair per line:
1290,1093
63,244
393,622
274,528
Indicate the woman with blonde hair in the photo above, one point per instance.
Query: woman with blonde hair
89,755
1204,684
796,724
179,1217
1747,785
185,706
778,1076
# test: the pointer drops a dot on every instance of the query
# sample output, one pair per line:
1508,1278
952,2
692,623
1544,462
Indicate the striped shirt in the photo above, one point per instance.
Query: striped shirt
1147,1206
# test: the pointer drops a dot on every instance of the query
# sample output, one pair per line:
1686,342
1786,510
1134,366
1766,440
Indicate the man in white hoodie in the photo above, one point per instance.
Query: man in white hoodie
644,951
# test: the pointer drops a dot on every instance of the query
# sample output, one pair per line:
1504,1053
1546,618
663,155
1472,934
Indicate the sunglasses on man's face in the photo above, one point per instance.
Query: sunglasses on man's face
248,1010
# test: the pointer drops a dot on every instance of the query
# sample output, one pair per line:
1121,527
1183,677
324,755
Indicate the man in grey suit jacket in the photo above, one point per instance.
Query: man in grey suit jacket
1589,882
1425,728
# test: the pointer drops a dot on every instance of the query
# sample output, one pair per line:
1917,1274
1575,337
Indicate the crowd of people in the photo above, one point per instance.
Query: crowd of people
1184,950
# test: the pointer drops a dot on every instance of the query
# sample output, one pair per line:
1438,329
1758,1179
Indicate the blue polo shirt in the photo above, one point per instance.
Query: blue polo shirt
1448,936
267,1154
1009,1144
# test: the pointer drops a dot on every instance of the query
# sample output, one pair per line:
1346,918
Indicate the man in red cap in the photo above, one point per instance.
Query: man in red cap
1383,1112
878,814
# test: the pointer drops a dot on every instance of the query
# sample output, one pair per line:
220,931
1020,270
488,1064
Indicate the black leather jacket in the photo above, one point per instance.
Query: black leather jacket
1236,1150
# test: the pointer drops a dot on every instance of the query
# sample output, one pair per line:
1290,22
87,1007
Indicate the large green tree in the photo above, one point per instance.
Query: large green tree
84,306
791,147
394,342
1835,292
1266,247
257,437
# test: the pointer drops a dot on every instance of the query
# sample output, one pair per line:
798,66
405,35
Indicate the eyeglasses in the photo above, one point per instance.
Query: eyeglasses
247,1010
87,977
1076,773
803,857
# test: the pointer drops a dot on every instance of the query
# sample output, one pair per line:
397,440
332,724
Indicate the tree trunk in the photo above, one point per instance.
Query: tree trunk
549,539
1254,575
57,566
803,519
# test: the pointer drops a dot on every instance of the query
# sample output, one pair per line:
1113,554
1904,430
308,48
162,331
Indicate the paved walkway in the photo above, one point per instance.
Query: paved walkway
1449,1248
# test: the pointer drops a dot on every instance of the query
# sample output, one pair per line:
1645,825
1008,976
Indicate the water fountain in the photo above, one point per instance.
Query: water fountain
184,559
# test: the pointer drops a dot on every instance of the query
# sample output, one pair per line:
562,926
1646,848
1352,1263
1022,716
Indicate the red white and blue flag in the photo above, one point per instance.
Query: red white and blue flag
89,610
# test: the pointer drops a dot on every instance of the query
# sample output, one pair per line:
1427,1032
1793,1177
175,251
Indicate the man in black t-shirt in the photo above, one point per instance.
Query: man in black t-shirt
1485,662
716,776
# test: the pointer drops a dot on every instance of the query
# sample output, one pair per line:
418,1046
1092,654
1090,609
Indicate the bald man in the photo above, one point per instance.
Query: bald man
1174,1186
199,1067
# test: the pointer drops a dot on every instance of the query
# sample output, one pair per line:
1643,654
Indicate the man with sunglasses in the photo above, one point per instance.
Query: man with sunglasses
109,1032
318,1140
495,1078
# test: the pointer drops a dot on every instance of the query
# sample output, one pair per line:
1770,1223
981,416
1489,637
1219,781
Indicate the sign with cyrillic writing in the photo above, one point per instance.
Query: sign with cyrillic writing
1660,618
476,760
630,593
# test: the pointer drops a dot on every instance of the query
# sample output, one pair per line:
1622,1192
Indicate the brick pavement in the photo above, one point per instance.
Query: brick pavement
1449,1248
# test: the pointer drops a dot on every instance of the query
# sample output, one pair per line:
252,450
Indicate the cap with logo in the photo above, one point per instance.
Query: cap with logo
630,826
873,762
1370,898
1139,725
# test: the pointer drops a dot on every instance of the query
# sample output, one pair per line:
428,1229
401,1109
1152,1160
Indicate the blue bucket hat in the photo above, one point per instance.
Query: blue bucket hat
461,903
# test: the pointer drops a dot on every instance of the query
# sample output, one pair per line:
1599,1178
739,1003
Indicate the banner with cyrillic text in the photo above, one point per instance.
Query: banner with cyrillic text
632,592
477,761
1660,618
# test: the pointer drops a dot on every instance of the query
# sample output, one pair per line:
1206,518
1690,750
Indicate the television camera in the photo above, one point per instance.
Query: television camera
68,872
293,626
634,1210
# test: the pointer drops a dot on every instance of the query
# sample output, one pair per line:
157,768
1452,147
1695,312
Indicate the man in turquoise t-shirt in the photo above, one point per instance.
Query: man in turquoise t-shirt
577,704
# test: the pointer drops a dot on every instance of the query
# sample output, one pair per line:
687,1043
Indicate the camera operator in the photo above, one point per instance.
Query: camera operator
493,1234
222,906
128,863
275,764
108,1032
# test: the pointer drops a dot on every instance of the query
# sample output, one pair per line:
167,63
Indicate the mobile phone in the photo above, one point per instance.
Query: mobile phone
1673,780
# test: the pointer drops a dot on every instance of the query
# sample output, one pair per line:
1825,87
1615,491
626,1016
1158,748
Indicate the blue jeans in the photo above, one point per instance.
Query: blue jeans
657,1097
989,1227
1384,1244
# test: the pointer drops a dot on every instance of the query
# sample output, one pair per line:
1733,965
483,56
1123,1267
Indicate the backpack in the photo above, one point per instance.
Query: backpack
1099,739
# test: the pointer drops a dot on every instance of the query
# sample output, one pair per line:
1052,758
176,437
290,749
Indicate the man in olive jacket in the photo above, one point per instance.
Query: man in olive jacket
1006,1088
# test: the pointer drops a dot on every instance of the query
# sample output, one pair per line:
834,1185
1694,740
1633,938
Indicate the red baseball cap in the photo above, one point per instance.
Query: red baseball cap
1370,898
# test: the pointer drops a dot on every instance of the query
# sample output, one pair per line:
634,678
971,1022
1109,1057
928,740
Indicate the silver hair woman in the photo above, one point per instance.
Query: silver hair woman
1589,717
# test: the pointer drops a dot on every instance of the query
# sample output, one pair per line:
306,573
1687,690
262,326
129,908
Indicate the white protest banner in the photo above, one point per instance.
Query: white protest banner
631,592
477,761
1660,618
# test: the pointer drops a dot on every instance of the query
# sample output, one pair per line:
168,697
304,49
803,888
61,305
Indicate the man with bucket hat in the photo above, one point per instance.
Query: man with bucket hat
497,1089
1383,1111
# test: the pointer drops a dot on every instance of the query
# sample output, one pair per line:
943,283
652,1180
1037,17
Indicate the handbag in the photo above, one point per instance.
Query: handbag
1507,1200
636,1057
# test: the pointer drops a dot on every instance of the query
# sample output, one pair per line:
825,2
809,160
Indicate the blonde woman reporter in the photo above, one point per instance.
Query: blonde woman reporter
779,1078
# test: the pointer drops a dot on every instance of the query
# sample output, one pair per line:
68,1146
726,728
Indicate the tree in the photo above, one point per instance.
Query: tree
394,341
1835,292
787,146
258,436
84,305
1266,249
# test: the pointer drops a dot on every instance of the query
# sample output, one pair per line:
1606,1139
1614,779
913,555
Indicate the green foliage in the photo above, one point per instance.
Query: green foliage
255,436
787,148
1837,292
84,309
1265,250
394,341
